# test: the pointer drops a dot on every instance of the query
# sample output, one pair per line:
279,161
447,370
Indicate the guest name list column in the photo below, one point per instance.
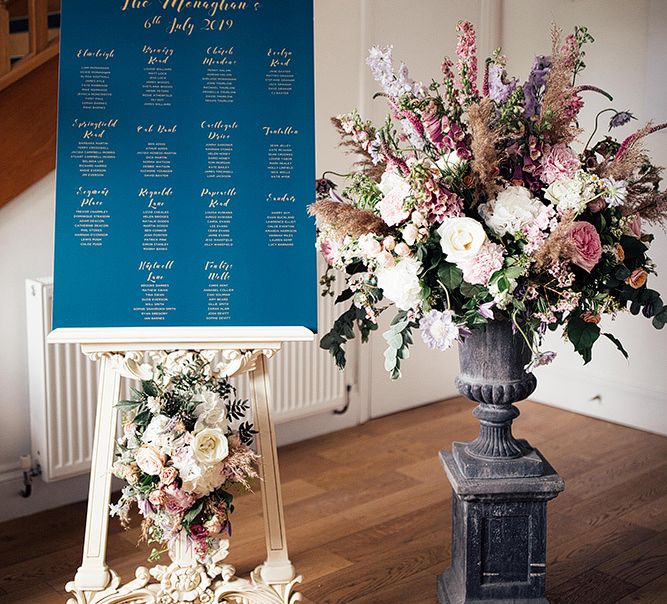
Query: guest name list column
185,164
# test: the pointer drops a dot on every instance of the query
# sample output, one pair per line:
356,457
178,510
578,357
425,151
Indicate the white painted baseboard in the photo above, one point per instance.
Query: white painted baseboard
620,403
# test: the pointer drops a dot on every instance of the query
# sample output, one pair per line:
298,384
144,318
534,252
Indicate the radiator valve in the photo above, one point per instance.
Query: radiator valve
28,474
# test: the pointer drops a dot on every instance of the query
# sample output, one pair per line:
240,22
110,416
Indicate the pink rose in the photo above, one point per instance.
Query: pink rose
168,475
391,207
149,460
597,205
587,246
157,498
559,162
385,259
402,249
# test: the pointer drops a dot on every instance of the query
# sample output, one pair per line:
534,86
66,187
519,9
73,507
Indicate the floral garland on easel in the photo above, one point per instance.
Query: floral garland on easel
185,445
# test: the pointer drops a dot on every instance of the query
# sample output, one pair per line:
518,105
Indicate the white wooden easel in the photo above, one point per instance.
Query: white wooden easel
121,351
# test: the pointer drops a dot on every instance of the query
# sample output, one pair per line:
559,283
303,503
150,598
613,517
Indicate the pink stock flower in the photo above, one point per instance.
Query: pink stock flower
559,162
587,245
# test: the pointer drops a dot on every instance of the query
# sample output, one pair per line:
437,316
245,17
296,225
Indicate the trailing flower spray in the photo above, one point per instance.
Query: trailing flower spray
472,203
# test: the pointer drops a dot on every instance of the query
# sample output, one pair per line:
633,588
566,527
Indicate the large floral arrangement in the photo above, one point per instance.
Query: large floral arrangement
473,203
185,444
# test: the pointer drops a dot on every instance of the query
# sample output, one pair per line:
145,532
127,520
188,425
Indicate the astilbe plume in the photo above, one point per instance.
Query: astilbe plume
345,219
556,110
484,140
240,465
365,163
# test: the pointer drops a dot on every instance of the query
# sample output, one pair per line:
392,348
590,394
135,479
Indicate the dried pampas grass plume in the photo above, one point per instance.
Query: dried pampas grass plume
557,246
483,146
344,219
631,154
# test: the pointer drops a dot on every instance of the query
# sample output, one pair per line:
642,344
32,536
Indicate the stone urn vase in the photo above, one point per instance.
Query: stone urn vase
500,484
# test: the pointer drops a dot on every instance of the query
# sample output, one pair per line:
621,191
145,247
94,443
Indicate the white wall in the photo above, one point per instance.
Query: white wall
422,33
626,60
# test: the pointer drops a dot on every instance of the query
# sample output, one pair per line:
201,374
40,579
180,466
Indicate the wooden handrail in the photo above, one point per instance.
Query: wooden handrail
5,54
38,25
40,48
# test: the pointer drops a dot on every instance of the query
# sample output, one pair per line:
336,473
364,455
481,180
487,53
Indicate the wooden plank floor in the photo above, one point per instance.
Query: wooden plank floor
368,515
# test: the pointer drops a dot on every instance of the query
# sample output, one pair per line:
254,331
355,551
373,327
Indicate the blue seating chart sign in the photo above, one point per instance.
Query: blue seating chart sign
186,162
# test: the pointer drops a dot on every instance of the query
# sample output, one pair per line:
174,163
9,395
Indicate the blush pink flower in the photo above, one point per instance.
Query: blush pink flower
635,227
559,162
176,500
329,249
391,207
489,259
587,248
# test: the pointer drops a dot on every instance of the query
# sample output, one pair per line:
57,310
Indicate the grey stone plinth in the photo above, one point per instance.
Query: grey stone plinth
500,484
498,537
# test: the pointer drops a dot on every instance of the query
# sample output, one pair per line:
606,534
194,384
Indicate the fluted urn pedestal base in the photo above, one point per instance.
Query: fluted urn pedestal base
500,484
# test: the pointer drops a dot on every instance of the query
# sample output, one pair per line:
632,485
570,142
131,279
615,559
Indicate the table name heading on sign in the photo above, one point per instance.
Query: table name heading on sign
186,162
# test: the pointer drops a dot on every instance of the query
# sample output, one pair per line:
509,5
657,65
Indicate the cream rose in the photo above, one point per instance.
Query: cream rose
461,238
210,446
511,210
149,460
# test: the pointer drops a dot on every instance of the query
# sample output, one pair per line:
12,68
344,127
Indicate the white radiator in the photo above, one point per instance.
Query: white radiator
63,387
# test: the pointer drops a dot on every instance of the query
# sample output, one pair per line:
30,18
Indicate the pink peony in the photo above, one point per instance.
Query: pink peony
587,246
559,162
478,270
391,207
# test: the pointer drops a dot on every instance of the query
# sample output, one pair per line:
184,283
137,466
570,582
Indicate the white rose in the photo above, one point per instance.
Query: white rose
211,412
569,193
400,283
156,432
511,210
461,238
210,446
410,233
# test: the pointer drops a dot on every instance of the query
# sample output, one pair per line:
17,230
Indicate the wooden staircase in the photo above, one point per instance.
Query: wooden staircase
28,93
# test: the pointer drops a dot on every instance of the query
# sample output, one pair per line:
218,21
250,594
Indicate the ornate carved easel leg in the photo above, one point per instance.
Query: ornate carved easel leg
277,569
94,575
